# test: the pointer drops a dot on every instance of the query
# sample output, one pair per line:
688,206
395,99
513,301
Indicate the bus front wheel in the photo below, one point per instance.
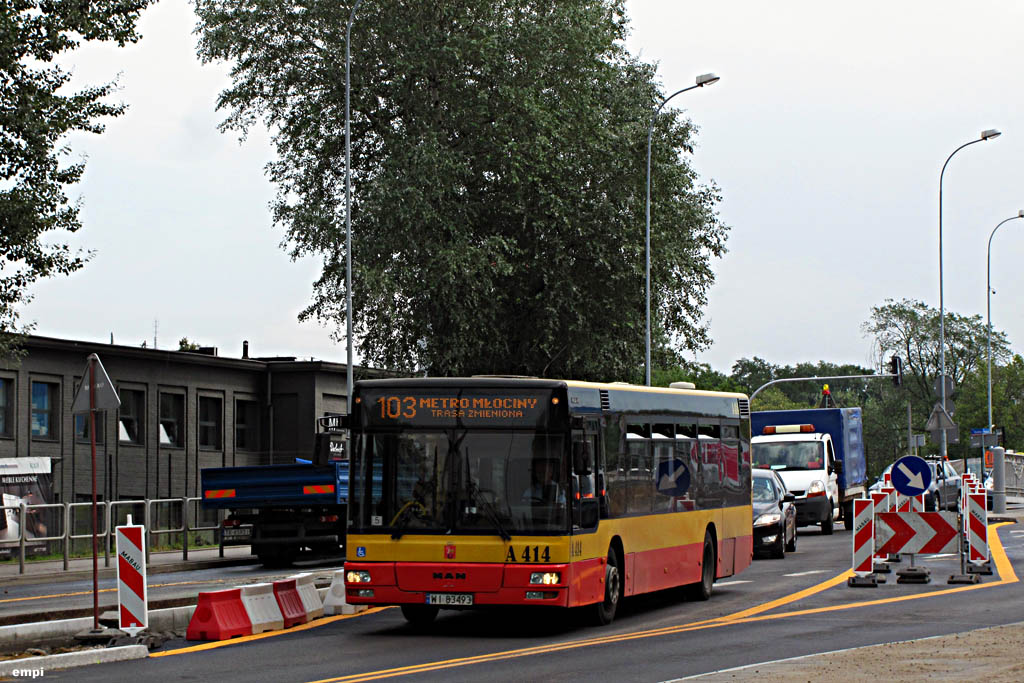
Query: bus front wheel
702,590
604,611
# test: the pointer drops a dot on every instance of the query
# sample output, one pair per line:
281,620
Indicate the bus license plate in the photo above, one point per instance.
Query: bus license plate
443,599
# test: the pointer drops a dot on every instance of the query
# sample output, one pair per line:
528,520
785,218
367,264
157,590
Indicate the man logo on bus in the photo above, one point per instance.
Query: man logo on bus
449,552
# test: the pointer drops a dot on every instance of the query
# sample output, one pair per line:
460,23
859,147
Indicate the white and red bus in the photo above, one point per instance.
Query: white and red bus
478,492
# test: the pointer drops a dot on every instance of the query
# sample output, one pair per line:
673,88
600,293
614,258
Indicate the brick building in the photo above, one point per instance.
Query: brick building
180,412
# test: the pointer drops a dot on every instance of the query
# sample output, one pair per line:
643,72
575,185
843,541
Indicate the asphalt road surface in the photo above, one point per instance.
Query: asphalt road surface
776,609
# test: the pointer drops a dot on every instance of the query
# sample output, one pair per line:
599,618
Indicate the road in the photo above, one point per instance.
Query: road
776,609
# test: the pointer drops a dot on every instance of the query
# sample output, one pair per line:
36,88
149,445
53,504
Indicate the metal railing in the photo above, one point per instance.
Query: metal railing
185,522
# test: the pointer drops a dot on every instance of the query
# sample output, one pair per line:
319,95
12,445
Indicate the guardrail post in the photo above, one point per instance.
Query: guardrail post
67,536
21,537
106,535
149,534
185,528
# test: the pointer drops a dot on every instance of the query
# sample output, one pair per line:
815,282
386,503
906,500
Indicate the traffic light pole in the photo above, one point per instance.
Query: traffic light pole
757,391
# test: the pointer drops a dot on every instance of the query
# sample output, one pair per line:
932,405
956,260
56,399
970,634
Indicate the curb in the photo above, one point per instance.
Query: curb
30,665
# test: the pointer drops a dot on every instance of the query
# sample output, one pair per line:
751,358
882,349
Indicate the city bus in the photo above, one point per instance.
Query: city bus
485,491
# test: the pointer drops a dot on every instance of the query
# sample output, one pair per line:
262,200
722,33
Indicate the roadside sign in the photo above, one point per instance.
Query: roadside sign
133,615
939,419
911,475
937,386
106,397
916,533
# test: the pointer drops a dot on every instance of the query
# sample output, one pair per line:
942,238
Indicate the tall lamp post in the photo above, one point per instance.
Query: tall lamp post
348,208
988,295
985,135
702,80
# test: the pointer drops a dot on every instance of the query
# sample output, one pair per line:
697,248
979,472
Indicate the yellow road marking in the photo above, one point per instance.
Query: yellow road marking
1003,566
269,634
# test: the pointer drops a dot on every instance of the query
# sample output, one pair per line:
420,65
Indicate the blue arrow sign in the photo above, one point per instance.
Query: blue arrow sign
911,475
673,478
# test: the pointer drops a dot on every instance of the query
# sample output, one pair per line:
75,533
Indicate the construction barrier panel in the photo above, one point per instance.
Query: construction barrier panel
132,593
219,615
311,601
261,607
288,600
881,504
335,602
916,533
863,536
978,528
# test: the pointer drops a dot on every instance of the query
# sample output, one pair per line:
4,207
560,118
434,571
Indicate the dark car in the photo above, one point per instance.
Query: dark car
774,515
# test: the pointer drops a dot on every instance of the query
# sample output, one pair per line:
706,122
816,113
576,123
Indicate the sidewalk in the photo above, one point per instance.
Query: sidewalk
159,563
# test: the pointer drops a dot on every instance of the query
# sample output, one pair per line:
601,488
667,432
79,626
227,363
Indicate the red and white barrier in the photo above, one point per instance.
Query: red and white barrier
863,536
334,602
881,504
916,533
977,528
288,600
261,606
311,602
219,615
132,593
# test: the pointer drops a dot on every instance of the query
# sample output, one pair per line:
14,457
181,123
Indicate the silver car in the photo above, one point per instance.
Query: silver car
944,490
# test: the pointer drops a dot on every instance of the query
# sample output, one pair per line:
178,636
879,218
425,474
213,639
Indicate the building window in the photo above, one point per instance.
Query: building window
172,420
247,435
45,401
6,407
131,427
82,427
210,420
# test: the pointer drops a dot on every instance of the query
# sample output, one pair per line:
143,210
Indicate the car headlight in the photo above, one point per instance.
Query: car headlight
768,518
817,487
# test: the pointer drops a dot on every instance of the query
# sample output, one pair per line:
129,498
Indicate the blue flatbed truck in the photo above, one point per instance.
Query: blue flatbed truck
843,427
284,512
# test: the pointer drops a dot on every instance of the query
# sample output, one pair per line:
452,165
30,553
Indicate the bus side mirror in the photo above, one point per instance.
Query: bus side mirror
582,458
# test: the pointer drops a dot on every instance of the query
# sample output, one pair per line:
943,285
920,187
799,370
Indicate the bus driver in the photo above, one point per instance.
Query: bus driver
543,487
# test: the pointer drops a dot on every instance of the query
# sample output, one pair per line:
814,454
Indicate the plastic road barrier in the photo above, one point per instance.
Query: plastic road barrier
881,504
311,603
916,533
133,615
261,607
219,615
288,600
978,528
863,536
335,602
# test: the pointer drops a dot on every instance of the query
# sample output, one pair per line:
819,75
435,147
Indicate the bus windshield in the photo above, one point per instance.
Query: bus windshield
460,481
792,455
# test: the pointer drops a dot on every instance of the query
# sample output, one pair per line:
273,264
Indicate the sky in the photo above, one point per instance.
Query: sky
826,135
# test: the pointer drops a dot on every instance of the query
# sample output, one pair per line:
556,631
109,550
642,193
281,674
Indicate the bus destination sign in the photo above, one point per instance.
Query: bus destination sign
395,407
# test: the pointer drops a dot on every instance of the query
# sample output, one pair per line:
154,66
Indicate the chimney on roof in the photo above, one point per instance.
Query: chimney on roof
245,349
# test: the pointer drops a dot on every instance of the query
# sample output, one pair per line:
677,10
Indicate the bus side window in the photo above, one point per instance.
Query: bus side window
616,468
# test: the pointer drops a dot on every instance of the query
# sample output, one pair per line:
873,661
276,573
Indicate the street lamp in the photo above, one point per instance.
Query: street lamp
348,208
988,295
985,135
702,80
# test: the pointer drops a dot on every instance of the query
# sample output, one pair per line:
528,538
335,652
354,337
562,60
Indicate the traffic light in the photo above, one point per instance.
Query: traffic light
896,370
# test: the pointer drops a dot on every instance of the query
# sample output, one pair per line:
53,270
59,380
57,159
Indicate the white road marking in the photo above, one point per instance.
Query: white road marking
730,583
813,571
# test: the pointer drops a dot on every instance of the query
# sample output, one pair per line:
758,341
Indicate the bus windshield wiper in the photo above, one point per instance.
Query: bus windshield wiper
489,511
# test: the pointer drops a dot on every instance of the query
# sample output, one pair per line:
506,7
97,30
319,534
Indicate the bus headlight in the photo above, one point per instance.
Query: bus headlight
768,518
357,577
546,578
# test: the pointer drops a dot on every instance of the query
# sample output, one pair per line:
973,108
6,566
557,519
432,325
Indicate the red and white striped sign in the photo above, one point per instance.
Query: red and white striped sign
977,528
916,533
131,578
881,504
863,536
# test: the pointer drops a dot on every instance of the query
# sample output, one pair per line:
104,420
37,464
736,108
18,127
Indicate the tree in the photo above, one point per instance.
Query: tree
35,118
498,164
185,345
910,329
